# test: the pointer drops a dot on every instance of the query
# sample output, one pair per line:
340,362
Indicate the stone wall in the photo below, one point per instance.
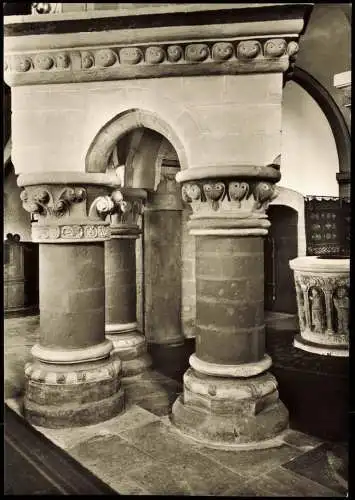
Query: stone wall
219,120
325,48
16,220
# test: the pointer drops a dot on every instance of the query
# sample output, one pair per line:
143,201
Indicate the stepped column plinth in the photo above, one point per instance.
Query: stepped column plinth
120,274
72,380
230,399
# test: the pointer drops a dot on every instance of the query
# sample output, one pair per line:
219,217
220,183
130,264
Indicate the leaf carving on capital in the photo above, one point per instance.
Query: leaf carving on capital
191,192
41,201
72,195
214,192
264,193
104,206
238,191
35,203
292,48
59,208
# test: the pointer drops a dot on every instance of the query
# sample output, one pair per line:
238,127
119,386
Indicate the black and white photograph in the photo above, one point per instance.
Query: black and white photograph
176,249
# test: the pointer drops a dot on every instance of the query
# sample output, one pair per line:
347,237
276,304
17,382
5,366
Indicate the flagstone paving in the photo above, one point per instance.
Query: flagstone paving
139,453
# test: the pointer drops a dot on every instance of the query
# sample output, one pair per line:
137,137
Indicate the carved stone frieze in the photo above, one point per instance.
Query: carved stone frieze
48,375
306,281
228,198
246,56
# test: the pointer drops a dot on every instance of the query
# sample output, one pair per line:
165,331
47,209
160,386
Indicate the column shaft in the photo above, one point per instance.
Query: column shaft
162,276
230,299
120,271
121,286
72,295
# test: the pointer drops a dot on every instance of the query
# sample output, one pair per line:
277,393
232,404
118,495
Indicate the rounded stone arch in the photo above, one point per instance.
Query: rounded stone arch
334,116
101,148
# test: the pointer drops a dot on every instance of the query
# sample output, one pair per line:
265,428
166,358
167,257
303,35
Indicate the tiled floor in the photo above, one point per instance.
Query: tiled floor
139,452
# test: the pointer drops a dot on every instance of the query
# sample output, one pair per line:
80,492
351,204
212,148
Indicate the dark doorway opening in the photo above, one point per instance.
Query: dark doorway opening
280,246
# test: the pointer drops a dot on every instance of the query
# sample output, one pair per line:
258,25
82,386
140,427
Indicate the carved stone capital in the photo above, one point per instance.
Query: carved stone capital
234,206
122,209
168,193
65,213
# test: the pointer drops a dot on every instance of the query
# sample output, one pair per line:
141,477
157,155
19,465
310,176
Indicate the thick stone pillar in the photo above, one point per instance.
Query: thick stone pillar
72,381
229,398
121,295
162,261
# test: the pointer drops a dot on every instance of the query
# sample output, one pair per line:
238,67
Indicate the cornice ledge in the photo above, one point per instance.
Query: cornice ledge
109,179
268,172
248,38
256,55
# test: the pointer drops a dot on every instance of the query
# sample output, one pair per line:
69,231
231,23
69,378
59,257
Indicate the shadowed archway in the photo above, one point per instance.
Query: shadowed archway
102,146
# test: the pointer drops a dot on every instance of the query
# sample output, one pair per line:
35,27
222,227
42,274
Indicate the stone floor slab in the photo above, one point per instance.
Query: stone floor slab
159,442
159,480
204,478
283,483
315,466
134,416
302,441
252,463
158,403
124,486
109,456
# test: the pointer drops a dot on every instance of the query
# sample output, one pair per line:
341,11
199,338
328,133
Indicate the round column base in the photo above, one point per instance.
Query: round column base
16,312
58,396
231,413
324,350
131,349
244,370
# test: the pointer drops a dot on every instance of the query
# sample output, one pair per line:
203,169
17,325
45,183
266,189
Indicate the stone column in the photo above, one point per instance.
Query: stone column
120,269
162,261
229,397
72,381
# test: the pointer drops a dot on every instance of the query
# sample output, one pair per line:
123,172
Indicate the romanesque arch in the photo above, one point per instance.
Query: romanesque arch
334,116
102,146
